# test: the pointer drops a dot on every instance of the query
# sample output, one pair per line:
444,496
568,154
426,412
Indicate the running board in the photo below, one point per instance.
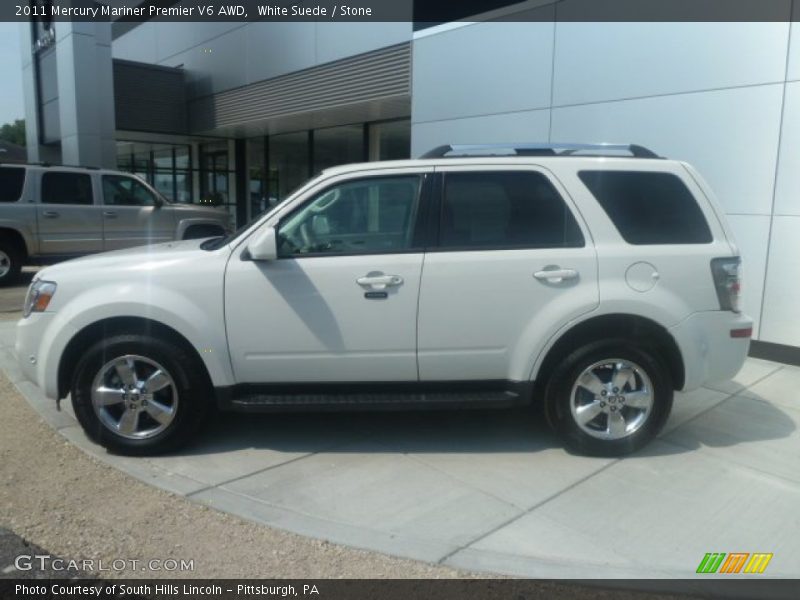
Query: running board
399,396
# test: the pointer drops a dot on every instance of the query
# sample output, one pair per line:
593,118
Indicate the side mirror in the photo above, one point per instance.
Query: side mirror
264,245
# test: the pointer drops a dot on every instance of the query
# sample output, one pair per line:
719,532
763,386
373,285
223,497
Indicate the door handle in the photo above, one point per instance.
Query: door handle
109,214
555,275
50,214
379,282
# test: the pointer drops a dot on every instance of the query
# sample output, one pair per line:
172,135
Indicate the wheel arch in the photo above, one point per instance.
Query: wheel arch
114,326
16,237
642,330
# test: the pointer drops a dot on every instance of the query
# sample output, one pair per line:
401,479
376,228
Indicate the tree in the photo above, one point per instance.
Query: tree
14,132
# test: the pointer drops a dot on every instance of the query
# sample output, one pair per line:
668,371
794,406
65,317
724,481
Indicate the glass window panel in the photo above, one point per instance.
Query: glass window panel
496,209
66,188
373,215
288,169
390,141
337,146
126,191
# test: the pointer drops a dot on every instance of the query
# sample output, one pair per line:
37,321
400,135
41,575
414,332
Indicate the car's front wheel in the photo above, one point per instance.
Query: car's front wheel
609,398
137,394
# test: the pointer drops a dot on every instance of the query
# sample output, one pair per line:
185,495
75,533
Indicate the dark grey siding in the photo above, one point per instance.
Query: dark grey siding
149,97
378,75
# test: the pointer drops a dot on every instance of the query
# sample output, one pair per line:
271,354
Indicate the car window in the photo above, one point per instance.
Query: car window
62,187
505,209
119,190
374,215
649,208
11,181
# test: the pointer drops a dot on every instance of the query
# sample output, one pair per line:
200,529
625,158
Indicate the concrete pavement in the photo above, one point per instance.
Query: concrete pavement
494,491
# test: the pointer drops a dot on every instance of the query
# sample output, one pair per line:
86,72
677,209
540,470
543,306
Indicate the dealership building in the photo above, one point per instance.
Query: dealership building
242,113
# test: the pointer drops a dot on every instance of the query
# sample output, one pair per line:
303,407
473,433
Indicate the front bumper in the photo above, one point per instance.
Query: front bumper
37,356
709,352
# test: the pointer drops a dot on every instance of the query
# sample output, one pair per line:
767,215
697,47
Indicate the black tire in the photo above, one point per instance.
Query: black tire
559,390
198,232
191,385
10,262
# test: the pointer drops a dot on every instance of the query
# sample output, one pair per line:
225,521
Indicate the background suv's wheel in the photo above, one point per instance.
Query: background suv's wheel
609,398
10,262
137,394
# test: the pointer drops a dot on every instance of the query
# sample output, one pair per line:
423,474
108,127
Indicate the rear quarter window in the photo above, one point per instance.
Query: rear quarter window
649,208
11,182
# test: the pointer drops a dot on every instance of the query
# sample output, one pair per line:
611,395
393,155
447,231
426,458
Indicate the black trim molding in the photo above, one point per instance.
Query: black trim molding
789,355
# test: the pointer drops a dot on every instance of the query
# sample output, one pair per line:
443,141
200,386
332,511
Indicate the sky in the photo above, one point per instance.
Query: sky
11,102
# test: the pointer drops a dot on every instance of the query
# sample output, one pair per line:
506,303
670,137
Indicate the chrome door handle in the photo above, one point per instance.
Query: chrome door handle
109,214
555,275
379,282
50,214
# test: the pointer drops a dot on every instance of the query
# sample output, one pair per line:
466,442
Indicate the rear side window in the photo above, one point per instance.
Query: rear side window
66,188
11,180
649,208
505,210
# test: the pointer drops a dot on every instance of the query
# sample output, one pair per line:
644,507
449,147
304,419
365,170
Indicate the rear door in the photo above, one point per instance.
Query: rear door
133,215
512,262
69,222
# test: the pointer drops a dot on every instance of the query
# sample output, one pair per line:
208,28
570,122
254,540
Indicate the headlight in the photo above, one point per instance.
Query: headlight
39,295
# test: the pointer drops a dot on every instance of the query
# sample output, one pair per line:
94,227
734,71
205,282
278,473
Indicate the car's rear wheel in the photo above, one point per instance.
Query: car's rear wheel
137,394
609,398
10,262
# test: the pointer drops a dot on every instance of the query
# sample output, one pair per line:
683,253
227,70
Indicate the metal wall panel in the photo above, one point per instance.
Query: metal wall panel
149,98
375,75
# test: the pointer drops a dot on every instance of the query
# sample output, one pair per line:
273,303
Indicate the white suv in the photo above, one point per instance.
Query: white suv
476,276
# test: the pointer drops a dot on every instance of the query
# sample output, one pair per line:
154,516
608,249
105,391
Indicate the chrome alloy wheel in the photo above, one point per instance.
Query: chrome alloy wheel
5,264
612,399
134,397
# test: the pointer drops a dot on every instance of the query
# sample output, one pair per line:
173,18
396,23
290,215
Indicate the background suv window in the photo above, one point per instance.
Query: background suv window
364,216
505,209
126,191
66,188
649,208
11,180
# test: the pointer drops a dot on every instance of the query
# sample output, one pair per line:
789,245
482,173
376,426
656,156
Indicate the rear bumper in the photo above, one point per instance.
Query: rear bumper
710,352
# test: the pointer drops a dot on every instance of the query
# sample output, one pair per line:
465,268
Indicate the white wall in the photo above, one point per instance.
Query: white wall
709,93
221,56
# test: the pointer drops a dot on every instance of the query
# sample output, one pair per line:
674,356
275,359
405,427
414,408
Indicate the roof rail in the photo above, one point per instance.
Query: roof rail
541,149
28,163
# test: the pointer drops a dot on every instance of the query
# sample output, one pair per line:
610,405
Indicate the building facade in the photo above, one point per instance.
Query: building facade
242,113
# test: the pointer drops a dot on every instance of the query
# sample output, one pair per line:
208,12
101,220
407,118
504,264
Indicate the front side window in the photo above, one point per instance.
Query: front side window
126,191
505,210
66,188
648,207
365,216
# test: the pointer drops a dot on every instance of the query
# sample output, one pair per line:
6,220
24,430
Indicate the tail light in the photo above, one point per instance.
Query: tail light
727,281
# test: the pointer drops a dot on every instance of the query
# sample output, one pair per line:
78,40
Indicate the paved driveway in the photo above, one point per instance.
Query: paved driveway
494,491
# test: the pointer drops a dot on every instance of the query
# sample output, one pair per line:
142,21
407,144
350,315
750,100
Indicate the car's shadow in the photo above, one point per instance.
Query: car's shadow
520,430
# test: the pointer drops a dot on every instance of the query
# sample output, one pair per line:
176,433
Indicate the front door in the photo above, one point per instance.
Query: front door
340,302
132,215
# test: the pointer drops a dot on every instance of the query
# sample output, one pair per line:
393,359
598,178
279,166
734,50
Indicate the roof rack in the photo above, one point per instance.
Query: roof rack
27,163
539,149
